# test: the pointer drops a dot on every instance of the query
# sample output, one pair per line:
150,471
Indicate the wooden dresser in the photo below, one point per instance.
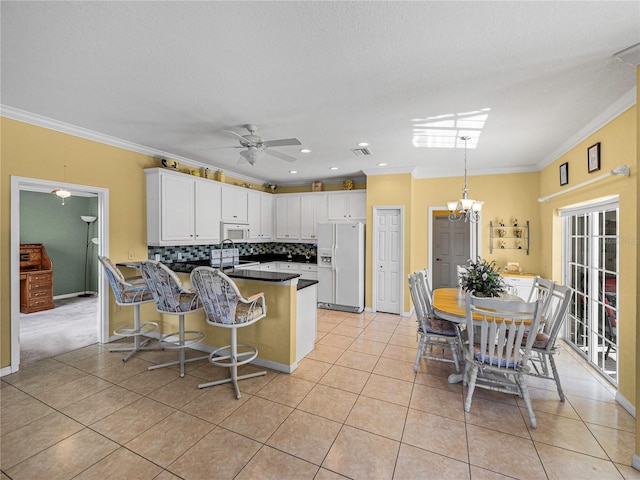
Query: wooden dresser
36,278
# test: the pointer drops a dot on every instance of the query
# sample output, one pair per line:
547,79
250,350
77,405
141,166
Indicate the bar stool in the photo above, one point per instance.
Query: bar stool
172,299
227,308
132,291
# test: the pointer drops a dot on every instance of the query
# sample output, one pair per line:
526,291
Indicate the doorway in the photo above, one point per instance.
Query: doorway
388,275
452,243
590,269
19,184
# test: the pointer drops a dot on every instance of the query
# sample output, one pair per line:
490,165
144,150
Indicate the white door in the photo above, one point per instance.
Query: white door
388,260
451,247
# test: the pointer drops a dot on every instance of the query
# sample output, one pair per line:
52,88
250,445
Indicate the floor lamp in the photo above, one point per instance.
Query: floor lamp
89,220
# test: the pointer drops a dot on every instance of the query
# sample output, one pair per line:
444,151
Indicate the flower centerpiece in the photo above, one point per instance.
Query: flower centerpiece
482,279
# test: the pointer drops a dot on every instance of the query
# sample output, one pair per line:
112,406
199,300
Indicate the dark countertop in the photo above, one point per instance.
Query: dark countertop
187,267
304,283
280,257
260,275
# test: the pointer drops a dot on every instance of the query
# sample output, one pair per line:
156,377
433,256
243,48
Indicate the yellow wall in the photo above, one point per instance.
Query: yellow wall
35,152
618,147
387,190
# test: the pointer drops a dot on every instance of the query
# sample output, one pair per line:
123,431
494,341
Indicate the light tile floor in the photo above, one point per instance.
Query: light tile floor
353,409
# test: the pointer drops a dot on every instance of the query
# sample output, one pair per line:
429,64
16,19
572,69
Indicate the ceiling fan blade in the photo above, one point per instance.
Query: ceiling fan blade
238,136
283,142
218,148
280,155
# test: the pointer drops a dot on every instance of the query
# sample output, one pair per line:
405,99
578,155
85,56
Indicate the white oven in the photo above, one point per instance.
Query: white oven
238,232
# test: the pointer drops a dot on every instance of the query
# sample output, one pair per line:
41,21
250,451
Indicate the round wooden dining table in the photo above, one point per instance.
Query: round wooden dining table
449,303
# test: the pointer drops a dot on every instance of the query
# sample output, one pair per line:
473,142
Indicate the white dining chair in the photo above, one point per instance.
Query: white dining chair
497,352
432,331
544,347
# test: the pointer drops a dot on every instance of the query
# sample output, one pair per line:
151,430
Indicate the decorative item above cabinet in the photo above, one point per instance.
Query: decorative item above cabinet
509,237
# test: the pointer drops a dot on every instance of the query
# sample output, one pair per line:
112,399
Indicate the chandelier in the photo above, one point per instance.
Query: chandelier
466,208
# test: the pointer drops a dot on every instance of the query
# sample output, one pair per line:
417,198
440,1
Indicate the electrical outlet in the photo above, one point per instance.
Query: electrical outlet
131,255
157,257
179,255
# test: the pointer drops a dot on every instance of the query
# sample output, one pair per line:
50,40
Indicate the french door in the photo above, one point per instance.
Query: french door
590,263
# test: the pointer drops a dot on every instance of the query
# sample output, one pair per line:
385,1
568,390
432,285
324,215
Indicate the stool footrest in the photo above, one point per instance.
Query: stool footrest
130,330
172,340
226,360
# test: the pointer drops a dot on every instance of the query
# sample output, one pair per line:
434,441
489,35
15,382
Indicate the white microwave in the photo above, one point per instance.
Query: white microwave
238,232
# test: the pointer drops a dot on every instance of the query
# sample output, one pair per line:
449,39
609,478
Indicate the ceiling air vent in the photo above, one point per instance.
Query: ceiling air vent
359,152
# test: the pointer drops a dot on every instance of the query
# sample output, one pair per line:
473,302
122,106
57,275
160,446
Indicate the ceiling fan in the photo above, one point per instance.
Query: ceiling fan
256,146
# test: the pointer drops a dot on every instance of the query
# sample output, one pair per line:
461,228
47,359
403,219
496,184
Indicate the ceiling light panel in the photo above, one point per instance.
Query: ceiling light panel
444,131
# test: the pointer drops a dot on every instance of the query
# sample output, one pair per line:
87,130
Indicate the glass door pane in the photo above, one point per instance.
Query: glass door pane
591,271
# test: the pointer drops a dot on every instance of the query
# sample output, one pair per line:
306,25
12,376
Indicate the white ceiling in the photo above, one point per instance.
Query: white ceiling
172,75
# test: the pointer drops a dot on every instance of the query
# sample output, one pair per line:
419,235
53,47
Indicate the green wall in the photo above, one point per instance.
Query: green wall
43,219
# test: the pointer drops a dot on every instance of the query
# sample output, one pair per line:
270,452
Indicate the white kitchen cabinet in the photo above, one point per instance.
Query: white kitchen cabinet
288,267
313,210
308,271
260,216
181,209
347,206
520,285
288,217
234,204
268,267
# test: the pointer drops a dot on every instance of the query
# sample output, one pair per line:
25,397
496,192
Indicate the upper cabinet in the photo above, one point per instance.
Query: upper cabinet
181,209
347,206
234,204
288,217
260,215
313,210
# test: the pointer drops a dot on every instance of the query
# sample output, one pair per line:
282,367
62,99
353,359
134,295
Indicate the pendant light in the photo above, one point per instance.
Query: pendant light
465,208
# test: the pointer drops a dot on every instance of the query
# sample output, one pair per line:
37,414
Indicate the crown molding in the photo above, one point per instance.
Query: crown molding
58,126
630,55
627,101
372,172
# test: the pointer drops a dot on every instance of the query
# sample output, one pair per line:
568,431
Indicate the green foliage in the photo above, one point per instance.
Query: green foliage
482,279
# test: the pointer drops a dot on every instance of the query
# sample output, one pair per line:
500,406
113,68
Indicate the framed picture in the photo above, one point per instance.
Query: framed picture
593,157
564,173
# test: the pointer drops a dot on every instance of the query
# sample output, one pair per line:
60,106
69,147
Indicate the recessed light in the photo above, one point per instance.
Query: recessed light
333,168
363,144
305,150
293,171
382,164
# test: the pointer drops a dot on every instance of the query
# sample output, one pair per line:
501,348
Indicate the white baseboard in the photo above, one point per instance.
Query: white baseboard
626,404
71,295
6,371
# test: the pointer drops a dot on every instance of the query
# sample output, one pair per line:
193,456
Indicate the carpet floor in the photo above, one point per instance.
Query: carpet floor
71,324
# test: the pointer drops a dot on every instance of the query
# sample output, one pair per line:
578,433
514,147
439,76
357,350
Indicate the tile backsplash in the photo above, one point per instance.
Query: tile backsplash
202,252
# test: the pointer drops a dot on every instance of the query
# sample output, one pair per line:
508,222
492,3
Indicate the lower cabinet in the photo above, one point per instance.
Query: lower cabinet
520,285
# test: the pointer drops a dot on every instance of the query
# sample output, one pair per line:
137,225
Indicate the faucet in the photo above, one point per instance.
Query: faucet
227,240
289,256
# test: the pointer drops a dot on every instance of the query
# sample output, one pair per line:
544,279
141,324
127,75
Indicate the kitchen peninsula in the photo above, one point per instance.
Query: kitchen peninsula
284,337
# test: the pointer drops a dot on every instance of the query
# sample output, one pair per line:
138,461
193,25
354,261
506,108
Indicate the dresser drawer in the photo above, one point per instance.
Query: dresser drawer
37,279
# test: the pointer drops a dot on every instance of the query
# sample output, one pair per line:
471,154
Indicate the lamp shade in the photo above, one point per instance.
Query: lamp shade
88,218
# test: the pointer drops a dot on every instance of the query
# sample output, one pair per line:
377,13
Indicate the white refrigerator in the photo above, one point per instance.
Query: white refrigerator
341,266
